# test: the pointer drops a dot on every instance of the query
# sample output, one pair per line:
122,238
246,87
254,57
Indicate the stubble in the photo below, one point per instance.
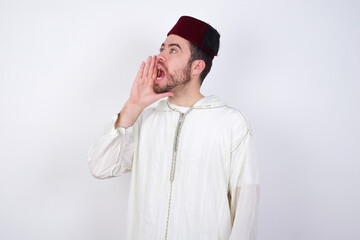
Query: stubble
179,78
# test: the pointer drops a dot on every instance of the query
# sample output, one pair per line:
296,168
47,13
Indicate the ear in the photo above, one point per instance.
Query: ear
198,66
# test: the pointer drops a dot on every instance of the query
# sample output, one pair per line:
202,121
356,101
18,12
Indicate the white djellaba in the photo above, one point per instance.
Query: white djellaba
194,174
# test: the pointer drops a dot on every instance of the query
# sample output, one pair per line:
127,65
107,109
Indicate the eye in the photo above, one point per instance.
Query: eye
161,49
172,50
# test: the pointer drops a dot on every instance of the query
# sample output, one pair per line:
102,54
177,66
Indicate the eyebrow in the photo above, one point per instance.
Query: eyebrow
172,45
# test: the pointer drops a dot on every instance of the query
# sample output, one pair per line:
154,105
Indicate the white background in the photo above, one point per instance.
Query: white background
292,67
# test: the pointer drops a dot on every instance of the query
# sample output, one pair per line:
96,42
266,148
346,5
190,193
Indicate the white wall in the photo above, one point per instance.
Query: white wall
292,67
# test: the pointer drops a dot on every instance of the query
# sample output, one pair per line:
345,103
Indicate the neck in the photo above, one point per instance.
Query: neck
185,98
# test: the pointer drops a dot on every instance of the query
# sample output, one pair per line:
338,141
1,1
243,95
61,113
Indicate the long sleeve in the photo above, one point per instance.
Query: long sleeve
244,190
111,155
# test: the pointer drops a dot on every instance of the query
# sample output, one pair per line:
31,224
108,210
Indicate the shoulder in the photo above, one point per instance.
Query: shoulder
153,109
237,124
236,119
146,113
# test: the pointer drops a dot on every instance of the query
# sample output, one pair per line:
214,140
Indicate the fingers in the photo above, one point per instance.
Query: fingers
152,69
148,71
154,75
139,74
147,66
162,95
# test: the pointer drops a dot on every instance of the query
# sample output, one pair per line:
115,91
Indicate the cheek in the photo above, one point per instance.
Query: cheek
172,69
177,67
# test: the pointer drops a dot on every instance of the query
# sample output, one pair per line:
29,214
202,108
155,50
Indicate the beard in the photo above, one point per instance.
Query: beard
179,78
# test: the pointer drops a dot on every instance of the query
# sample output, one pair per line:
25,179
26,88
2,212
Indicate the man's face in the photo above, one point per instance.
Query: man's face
173,68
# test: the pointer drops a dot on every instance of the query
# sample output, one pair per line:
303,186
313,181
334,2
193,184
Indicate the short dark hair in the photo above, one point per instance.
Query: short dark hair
211,41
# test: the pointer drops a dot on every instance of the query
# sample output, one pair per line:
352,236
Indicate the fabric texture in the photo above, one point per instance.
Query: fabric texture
215,192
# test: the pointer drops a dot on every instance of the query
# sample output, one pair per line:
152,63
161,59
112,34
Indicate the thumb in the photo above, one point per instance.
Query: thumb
166,94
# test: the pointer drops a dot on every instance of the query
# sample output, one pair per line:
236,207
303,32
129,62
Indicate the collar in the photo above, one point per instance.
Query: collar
207,102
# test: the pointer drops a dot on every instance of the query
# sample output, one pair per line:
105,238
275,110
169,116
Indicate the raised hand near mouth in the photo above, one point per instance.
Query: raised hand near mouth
142,93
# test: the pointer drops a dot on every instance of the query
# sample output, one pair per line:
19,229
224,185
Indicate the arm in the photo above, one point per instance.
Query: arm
112,154
244,190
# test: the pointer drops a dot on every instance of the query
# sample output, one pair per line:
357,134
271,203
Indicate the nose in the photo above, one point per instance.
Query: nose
161,57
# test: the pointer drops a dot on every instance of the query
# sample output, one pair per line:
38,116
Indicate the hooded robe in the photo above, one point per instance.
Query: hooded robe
193,171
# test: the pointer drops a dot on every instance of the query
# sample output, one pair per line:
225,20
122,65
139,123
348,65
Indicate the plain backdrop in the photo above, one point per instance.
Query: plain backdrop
292,67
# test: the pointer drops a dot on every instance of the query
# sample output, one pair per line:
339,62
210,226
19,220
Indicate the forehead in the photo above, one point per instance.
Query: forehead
175,39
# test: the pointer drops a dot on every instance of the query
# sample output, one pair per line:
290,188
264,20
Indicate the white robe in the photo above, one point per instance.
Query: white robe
215,188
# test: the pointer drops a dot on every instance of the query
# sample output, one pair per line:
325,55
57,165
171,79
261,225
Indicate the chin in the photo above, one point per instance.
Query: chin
160,85
161,89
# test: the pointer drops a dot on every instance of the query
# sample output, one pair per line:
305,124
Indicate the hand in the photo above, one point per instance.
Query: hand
142,93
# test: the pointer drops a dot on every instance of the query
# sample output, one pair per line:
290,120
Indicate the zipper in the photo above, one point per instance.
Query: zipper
173,162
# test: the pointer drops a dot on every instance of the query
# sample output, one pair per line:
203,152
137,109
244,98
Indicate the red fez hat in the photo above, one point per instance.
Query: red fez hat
195,30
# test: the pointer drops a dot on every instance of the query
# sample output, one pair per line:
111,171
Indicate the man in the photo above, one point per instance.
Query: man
194,172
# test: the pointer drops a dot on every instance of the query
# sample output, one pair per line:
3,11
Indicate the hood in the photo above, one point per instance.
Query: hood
203,103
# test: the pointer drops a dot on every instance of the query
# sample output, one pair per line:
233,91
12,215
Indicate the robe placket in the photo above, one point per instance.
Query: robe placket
173,162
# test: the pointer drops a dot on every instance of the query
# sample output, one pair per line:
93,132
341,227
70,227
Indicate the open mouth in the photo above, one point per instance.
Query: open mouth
160,73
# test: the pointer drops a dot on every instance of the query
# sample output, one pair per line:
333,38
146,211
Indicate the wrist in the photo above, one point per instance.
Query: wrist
132,107
128,115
